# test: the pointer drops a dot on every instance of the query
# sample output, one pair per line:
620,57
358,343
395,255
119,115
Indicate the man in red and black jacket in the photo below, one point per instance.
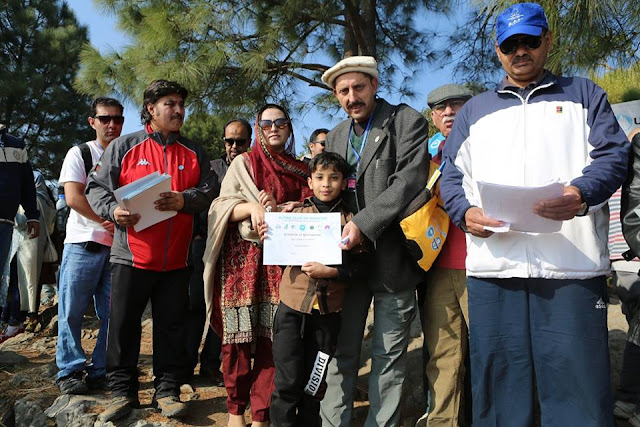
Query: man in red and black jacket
151,263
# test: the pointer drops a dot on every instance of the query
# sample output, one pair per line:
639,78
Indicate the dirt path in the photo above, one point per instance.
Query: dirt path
27,368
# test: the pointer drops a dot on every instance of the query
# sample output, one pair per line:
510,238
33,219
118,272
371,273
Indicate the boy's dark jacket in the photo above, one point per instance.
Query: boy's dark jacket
299,292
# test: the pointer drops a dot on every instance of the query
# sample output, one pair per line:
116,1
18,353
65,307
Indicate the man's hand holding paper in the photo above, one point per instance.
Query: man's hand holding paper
124,218
527,209
170,201
476,222
561,208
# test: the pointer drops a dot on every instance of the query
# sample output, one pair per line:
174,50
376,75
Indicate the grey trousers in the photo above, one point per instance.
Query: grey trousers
393,314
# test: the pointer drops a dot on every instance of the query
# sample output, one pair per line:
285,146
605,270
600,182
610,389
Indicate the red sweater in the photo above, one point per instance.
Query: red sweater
454,251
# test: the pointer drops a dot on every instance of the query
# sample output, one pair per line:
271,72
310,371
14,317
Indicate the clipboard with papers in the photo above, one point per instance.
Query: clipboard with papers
139,197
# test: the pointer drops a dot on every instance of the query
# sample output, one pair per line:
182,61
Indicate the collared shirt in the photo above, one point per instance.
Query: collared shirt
523,91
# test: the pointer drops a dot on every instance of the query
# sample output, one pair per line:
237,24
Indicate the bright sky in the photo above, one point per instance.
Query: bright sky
105,36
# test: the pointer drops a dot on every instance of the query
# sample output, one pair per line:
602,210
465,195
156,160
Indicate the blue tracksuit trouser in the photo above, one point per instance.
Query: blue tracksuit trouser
551,333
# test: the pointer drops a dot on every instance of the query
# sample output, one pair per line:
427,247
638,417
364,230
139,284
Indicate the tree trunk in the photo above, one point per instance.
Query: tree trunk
350,43
360,35
368,8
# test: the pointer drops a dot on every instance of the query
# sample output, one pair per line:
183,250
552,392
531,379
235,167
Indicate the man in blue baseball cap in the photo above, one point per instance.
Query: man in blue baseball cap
537,300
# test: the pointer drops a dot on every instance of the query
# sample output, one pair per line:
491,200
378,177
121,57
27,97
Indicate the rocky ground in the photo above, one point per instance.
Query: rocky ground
28,396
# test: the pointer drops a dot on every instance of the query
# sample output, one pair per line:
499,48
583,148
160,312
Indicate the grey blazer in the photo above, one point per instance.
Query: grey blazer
393,169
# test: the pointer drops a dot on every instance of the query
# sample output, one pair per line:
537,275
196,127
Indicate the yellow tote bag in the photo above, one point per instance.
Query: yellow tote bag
426,229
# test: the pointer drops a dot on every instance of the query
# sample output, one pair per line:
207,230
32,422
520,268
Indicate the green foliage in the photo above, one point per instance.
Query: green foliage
207,130
588,35
234,55
40,43
620,85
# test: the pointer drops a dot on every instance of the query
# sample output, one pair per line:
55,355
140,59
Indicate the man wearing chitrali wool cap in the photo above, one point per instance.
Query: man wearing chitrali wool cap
536,282
386,148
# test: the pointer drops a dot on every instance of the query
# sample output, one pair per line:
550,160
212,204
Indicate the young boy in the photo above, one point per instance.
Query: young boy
307,322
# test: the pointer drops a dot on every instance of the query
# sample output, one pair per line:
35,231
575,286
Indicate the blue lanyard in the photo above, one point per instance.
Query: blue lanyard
364,140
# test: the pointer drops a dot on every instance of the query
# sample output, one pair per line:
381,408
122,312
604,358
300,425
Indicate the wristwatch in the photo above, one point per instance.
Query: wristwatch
584,209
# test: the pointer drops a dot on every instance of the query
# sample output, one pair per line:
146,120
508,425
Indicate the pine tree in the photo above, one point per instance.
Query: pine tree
233,55
39,56
588,36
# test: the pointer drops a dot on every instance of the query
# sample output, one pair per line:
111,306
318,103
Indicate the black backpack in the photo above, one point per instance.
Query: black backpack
62,210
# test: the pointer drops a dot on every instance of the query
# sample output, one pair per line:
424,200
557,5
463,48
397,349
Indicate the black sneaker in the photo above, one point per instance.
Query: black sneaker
119,407
96,383
73,384
170,406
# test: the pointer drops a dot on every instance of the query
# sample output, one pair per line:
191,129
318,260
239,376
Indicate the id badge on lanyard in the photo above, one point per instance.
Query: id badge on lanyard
351,179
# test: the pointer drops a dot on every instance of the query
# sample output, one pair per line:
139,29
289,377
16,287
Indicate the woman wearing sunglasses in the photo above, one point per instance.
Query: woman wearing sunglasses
241,293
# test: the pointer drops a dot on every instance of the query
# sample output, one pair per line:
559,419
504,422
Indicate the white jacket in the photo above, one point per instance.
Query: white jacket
563,129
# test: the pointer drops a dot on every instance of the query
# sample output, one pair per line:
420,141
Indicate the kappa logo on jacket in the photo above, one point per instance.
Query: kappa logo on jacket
143,162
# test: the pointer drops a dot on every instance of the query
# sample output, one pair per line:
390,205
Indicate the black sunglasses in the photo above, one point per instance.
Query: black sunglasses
323,143
236,141
267,124
106,119
511,44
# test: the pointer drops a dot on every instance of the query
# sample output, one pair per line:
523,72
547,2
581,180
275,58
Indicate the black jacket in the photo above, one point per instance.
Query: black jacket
16,177
631,199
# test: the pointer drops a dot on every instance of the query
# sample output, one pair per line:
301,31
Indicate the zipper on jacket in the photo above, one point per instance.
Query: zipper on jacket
165,260
525,102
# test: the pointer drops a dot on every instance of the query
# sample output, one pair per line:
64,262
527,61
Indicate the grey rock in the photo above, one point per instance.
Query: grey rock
18,379
7,415
48,314
28,413
186,389
76,417
11,358
136,417
50,370
147,324
69,403
52,328
73,411
58,405
143,423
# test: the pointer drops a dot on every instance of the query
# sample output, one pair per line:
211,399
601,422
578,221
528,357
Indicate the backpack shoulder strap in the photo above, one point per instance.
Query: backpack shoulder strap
85,150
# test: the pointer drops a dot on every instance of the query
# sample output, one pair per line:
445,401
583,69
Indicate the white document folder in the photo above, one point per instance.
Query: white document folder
139,197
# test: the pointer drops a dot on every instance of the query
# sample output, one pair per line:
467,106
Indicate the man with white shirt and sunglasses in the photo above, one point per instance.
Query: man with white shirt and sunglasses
85,270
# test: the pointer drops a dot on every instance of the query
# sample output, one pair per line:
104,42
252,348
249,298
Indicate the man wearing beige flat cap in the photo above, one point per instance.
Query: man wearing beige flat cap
386,148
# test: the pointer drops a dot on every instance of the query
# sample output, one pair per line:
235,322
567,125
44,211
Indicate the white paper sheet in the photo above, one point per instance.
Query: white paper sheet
139,197
298,238
514,206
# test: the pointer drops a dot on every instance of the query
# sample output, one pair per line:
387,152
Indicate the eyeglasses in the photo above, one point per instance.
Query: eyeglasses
236,141
323,143
511,44
455,104
267,124
105,120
